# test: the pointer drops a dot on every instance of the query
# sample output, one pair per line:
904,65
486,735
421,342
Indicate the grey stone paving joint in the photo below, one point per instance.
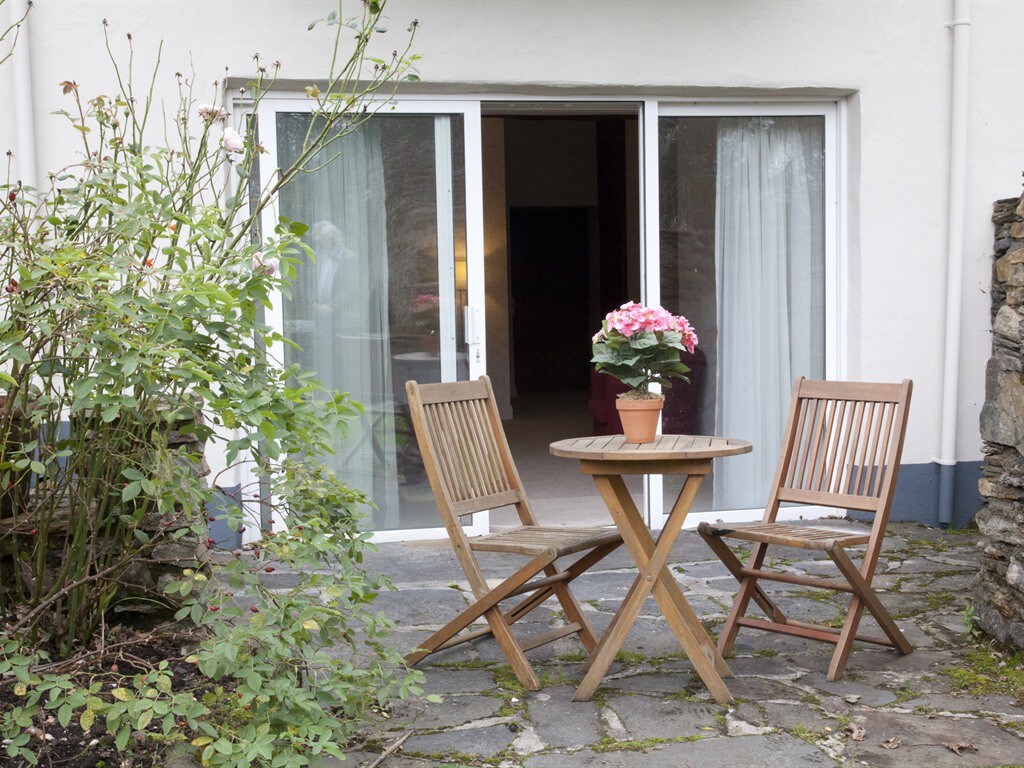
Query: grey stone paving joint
652,711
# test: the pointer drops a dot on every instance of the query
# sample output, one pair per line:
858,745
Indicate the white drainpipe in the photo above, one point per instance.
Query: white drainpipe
24,122
961,26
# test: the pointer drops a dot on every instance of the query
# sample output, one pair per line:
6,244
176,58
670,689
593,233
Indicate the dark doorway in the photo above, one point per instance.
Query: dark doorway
568,202
549,263
571,190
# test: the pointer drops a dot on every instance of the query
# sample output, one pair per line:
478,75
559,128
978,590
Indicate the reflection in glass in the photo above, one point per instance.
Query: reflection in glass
367,314
742,256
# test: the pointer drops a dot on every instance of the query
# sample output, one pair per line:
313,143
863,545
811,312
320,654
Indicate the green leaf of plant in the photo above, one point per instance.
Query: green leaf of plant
64,714
18,353
131,490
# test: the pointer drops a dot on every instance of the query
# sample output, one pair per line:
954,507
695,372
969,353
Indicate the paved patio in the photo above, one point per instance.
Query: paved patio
652,710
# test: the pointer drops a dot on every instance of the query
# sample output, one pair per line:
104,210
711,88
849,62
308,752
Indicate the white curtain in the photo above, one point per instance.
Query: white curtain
338,311
769,260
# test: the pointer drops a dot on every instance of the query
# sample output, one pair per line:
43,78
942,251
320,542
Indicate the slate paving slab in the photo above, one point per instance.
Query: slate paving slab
466,742
420,607
771,751
453,710
562,723
792,715
660,717
922,739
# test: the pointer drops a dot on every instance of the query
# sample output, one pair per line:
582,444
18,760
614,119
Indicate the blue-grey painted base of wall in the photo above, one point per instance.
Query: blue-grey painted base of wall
917,494
224,537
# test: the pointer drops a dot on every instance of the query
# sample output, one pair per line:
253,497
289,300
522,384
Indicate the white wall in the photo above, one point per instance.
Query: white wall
892,57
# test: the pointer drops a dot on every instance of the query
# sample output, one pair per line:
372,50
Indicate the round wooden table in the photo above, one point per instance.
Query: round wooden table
607,459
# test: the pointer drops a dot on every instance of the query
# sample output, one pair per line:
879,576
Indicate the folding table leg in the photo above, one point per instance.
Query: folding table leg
650,559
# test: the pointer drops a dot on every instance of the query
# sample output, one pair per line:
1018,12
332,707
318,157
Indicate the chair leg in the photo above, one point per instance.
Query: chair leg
516,658
568,600
845,643
749,589
863,590
486,605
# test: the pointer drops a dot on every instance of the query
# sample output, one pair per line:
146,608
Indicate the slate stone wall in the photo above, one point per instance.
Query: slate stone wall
999,589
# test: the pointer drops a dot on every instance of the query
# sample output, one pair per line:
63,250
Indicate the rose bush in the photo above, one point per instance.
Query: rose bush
135,284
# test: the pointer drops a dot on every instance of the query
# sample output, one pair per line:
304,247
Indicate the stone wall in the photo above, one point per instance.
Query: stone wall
999,589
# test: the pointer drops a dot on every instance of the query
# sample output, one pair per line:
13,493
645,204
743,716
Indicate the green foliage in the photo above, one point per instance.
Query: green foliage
131,335
641,359
970,620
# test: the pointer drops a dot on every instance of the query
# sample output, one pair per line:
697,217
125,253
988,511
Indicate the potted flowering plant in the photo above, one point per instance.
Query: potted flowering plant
638,346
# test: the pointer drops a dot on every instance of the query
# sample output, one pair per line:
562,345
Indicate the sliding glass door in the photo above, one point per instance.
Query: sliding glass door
385,299
745,236
739,218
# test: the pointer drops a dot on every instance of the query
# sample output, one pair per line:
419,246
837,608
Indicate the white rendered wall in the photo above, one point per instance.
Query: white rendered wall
892,58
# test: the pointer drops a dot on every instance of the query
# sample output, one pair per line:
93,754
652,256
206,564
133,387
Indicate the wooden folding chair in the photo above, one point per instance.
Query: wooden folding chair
470,468
841,449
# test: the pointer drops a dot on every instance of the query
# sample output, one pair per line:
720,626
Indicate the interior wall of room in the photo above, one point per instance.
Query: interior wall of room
555,162
496,262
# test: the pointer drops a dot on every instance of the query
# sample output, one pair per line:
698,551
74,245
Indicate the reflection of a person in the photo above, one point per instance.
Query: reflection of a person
333,260
333,306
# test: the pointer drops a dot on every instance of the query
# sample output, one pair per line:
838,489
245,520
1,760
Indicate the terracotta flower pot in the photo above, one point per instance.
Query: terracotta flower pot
639,418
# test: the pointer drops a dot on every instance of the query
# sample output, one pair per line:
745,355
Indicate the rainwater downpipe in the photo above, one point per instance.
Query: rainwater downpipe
961,25
24,121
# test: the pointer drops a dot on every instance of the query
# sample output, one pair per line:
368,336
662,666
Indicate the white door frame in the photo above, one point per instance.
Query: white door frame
649,109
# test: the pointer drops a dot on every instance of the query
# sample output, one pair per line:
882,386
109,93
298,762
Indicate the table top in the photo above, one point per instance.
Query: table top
664,447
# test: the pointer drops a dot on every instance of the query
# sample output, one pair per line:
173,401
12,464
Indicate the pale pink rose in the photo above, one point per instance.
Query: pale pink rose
265,266
232,142
209,113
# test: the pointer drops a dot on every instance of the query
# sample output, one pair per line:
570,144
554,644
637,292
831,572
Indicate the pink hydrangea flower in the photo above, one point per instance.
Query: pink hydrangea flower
633,318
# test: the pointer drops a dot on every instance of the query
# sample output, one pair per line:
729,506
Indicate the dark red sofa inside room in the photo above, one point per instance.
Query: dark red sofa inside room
679,416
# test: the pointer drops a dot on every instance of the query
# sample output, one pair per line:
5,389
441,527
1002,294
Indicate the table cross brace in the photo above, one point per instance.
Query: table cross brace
654,578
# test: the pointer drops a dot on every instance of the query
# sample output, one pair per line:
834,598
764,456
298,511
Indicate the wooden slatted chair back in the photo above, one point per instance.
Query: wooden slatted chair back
464,449
842,446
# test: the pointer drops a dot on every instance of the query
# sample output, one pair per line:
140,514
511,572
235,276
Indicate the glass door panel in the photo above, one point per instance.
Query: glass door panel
742,240
386,210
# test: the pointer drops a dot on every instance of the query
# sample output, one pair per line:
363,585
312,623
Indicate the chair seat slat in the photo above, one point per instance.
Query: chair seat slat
804,537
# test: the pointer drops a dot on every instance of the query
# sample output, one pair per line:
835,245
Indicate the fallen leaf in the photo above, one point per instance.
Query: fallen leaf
892,743
857,732
959,747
